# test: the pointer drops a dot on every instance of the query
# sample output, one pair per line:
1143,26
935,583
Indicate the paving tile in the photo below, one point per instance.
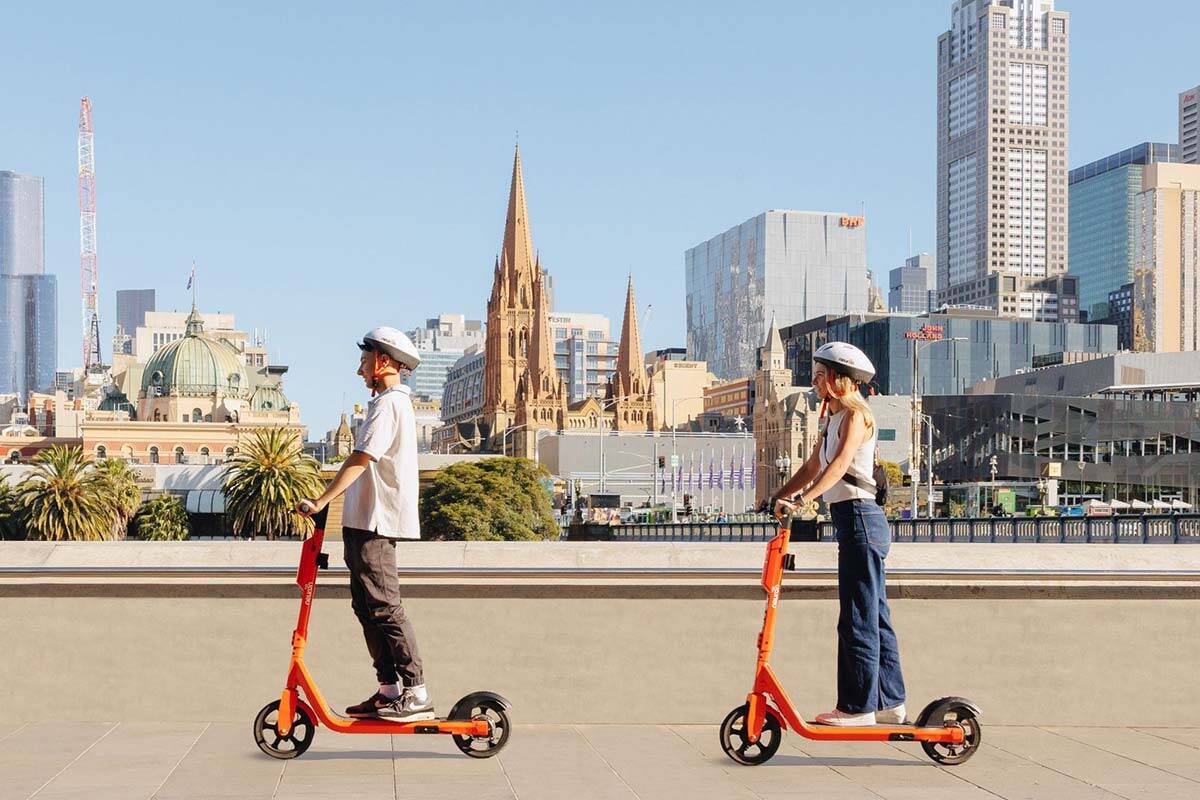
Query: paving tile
432,768
555,761
33,754
354,767
1011,776
1169,756
1185,736
1119,775
223,763
656,763
147,752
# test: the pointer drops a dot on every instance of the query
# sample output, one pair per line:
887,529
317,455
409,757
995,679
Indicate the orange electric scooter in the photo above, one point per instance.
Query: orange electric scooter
285,727
948,729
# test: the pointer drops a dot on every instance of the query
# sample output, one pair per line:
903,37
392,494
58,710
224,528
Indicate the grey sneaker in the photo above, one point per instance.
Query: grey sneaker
406,708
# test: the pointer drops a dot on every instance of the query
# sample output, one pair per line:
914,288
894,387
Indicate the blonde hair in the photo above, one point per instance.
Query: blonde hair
845,390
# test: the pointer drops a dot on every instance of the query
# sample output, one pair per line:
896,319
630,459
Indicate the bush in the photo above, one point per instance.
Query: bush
11,525
496,499
162,519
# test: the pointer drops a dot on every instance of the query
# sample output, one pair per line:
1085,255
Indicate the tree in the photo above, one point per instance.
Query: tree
124,493
492,499
162,519
11,526
264,481
65,498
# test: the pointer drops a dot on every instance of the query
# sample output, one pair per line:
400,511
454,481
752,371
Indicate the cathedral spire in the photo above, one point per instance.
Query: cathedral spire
631,372
517,254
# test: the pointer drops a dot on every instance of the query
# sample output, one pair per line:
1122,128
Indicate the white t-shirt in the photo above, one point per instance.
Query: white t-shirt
384,498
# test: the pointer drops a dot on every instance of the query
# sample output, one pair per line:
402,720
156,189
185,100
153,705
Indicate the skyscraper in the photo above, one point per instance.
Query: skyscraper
786,265
28,297
1166,283
1101,221
132,305
1189,126
1003,70
911,288
442,342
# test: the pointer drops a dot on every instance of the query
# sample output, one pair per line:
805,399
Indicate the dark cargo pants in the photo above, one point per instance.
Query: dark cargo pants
375,597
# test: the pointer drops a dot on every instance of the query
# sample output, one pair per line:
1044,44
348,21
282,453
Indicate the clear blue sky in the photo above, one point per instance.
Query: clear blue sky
331,170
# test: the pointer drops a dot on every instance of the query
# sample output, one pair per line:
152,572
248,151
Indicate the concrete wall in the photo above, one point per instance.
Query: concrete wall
1043,634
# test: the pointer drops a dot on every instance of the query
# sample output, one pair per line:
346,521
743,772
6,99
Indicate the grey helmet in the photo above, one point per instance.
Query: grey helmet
846,359
393,342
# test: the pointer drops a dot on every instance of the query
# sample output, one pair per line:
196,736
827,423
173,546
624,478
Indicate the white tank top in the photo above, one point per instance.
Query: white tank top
861,466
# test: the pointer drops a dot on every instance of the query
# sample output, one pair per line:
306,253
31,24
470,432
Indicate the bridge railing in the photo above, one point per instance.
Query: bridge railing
1143,529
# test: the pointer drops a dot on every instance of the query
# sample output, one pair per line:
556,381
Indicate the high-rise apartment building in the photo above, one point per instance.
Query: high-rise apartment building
1189,126
132,307
786,265
1102,221
584,353
1003,73
442,342
1166,284
28,296
912,288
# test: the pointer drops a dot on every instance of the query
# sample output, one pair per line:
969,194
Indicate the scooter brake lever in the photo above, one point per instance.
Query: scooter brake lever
322,560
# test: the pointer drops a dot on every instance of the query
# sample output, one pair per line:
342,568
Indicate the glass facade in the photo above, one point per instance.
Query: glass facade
786,265
1101,232
28,333
28,297
22,243
911,287
993,347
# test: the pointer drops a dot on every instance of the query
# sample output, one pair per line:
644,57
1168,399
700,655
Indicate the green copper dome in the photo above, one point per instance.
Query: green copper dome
269,398
196,365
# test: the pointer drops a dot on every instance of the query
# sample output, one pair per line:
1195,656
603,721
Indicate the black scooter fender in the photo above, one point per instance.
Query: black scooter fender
939,707
462,708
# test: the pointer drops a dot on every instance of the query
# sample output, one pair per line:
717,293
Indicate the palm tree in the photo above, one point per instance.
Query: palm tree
265,480
162,519
10,511
64,498
124,493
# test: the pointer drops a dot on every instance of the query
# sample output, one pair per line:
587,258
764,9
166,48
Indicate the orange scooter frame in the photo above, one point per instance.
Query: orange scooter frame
948,729
284,728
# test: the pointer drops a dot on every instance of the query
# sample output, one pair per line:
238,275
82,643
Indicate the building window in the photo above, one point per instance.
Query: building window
179,457
197,415
101,452
153,455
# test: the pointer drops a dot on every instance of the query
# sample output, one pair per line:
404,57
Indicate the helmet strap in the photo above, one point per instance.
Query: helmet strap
381,367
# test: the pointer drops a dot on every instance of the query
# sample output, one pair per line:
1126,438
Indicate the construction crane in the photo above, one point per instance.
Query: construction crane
89,270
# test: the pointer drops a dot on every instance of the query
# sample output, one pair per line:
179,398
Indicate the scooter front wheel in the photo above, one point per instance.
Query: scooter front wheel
735,737
491,711
268,739
952,711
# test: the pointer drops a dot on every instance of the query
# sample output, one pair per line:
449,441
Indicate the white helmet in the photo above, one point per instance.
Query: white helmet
846,359
393,342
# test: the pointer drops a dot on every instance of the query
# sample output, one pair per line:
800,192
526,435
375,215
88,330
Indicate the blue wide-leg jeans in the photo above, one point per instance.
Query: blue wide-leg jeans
869,677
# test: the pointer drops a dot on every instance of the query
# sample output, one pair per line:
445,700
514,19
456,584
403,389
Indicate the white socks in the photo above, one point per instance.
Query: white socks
419,694
389,690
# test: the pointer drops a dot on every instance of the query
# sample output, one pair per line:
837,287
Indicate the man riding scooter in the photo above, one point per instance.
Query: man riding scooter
380,483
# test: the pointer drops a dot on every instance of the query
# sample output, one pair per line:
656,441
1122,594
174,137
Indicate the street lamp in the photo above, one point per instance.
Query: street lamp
929,334
537,439
604,405
504,436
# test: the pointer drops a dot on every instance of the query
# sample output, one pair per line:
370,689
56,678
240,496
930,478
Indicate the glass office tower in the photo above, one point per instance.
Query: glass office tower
1101,232
786,265
28,297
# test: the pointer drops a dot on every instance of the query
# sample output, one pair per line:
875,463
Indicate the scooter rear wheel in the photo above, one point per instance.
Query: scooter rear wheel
735,738
266,732
498,724
953,713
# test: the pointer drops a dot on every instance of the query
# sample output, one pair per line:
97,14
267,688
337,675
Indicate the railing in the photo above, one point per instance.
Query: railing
1147,529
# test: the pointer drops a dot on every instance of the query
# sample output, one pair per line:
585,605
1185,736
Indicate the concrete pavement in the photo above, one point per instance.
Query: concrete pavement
189,761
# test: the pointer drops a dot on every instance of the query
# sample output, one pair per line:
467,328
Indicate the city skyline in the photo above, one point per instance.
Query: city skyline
206,176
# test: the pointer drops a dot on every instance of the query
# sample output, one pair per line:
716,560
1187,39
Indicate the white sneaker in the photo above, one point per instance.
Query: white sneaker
891,716
846,720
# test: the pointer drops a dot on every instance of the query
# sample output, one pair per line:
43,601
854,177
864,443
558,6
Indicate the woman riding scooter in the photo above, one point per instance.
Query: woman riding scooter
870,683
